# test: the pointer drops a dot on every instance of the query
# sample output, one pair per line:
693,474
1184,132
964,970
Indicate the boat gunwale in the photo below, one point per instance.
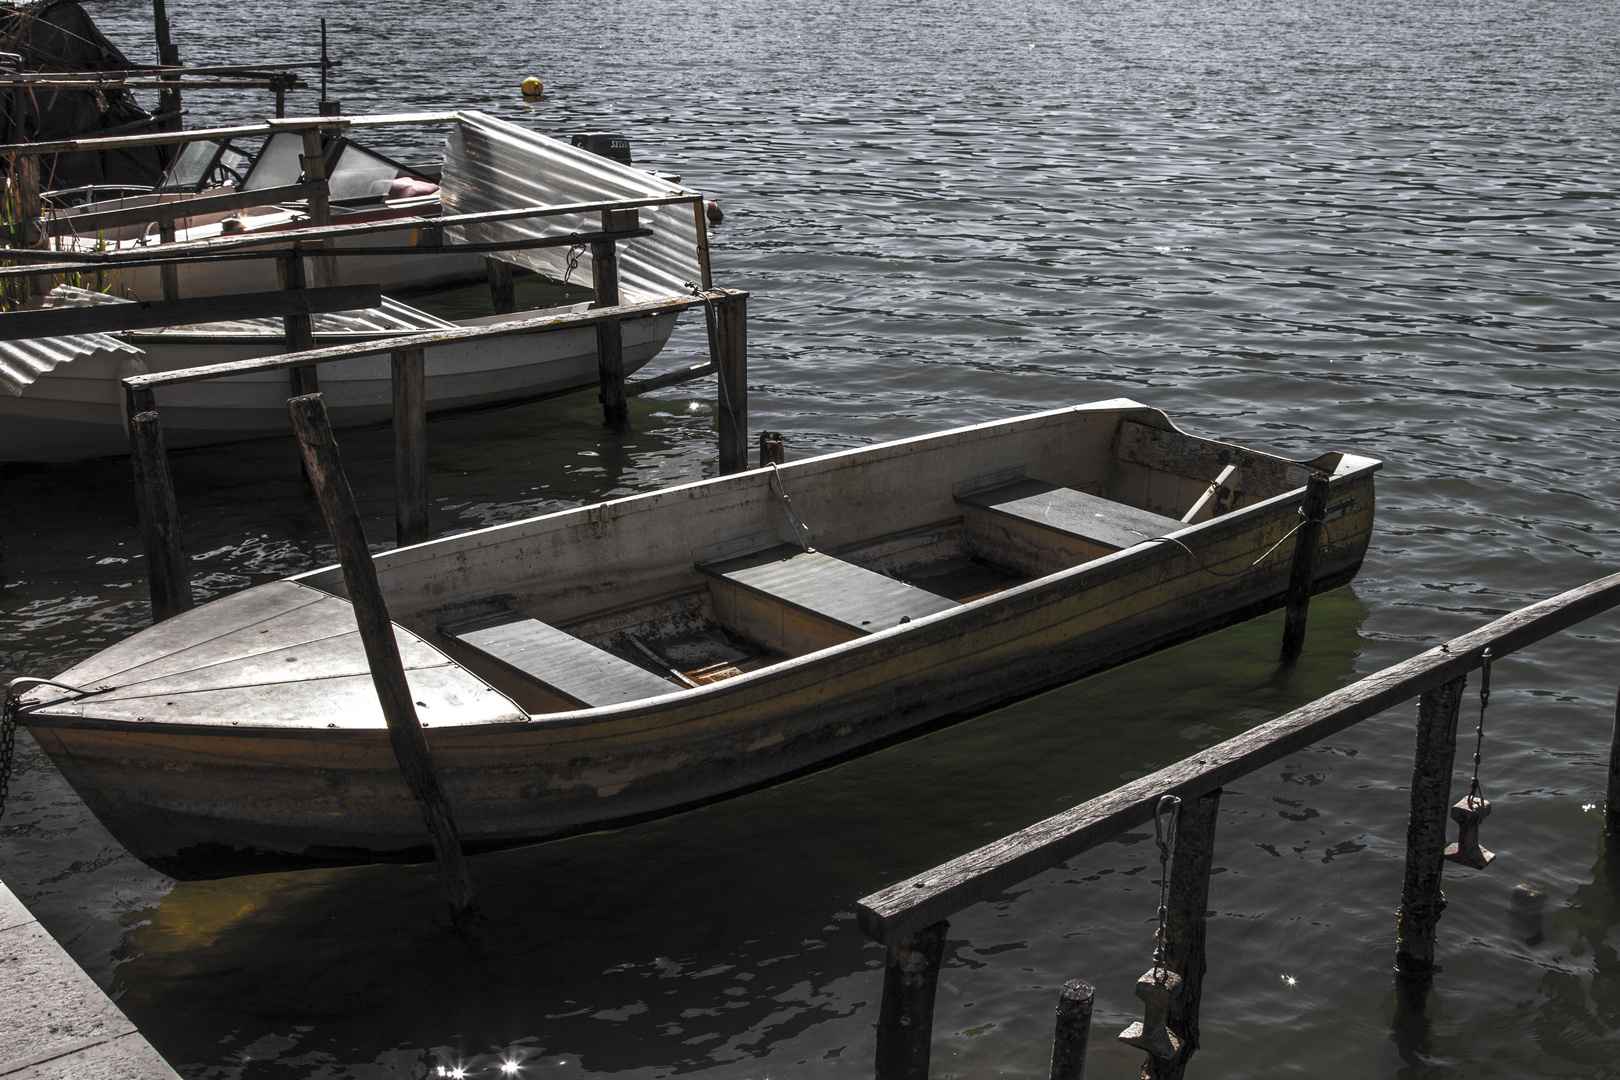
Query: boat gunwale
1351,467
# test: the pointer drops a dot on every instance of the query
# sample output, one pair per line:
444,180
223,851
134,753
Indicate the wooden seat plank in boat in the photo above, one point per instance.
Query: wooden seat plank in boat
795,601
1043,528
564,665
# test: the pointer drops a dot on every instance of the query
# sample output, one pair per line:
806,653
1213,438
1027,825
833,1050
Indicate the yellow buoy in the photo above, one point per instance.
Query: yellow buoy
533,87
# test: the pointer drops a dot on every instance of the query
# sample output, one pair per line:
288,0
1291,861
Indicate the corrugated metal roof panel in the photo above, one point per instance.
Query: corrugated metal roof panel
490,164
21,362
393,317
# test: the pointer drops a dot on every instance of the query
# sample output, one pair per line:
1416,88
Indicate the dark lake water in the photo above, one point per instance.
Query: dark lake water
1380,227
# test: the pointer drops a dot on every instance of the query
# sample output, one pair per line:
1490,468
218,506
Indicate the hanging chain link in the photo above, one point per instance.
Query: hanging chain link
1166,815
573,261
1474,792
8,743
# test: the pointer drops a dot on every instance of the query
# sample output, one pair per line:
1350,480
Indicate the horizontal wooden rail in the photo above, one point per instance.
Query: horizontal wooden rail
174,209
194,249
281,252
152,82
145,314
540,324
632,387
268,127
929,897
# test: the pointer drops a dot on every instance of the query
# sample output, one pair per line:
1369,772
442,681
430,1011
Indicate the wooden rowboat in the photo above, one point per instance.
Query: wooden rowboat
628,659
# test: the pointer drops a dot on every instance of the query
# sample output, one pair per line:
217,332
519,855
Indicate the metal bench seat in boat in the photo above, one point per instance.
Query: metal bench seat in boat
1042,528
562,664
797,601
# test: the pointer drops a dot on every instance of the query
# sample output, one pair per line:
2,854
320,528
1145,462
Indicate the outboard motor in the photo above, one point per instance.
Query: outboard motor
606,144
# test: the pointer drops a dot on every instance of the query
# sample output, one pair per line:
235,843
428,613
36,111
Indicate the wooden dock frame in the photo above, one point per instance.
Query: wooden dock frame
894,916
155,487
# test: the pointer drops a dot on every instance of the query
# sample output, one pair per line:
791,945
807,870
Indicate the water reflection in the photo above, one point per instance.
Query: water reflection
715,937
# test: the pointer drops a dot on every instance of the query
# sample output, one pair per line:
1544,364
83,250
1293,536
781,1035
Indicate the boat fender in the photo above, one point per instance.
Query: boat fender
533,87
712,209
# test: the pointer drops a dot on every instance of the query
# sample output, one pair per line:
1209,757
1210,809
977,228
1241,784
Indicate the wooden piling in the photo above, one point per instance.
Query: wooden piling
772,450
1073,1030
167,575
728,348
1184,925
324,467
27,231
410,446
1422,902
297,328
168,55
609,335
169,272
906,1018
1303,574
1611,802
502,289
320,203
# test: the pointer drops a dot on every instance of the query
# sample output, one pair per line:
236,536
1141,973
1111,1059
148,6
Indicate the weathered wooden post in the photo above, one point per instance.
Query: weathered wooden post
728,347
1611,802
1073,1030
772,450
167,576
1184,926
502,289
324,468
609,334
28,234
320,202
1300,578
298,328
169,56
169,272
906,1018
1422,902
410,447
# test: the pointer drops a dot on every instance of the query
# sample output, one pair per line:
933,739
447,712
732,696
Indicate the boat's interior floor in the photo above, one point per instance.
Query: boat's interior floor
760,607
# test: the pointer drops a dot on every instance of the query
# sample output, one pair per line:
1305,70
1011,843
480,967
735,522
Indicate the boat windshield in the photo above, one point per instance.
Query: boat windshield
204,164
360,174
278,163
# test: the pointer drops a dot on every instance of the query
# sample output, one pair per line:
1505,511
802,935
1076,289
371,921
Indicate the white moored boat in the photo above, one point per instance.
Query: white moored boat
628,659
65,401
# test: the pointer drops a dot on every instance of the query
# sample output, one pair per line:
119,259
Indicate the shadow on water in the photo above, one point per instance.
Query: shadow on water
717,936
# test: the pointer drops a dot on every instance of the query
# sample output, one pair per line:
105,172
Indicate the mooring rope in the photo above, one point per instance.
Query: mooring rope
1303,521
801,531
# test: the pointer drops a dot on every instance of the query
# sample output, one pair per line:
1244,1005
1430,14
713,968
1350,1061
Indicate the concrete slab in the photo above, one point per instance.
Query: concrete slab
58,1023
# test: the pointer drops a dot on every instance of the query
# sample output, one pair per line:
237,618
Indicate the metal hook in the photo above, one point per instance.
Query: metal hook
1165,835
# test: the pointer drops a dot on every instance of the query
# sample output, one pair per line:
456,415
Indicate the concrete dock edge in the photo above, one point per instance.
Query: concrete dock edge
55,1022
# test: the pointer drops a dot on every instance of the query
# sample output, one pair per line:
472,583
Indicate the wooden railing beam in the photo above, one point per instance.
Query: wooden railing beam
938,893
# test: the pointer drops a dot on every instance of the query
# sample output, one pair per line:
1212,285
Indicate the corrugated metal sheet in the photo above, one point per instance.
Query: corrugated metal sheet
490,164
393,317
21,362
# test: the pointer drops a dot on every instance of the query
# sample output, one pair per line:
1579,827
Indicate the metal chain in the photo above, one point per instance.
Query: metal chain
1166,815
573,261
1474,791
8,744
